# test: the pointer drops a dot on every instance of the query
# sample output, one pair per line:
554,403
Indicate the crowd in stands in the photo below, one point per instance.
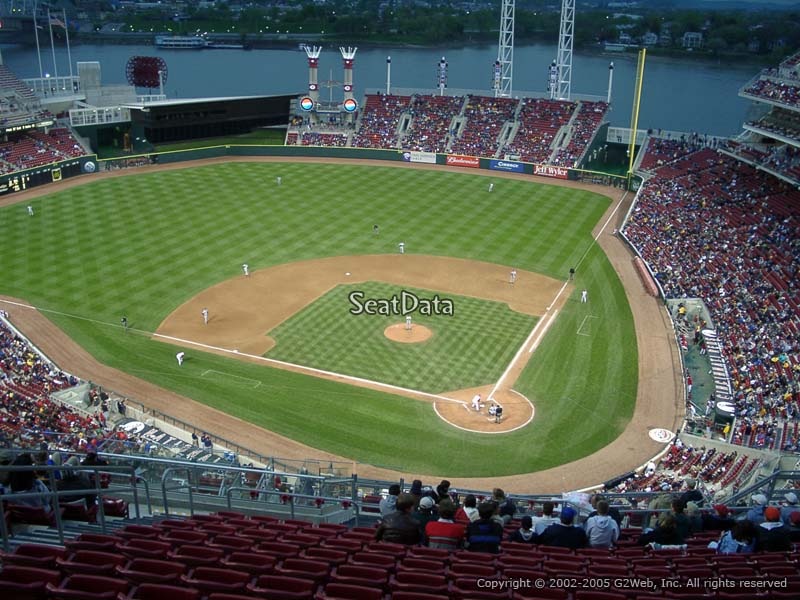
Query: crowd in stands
583,129
714,228
337,140
660,151
431,124
379,121
539,122
485,120
782,92
780,121
36,148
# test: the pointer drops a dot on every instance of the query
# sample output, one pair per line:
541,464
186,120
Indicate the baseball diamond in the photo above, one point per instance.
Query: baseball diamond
176,237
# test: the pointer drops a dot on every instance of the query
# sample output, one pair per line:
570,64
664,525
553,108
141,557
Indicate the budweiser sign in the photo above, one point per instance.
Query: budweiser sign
550,171
455,160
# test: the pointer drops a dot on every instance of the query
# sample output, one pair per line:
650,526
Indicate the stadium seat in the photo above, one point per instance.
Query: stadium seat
33,555
417,596
212,528
182,537
349,546
154,591
421,564
418,581
475,588
264,519
147,570
230,543
92,541
373,559
277,549
340,591
466,556
115,507
300,539
196,556
29,515
206,519
257,535
362,576
218,596
90,562
337,527
598,595
144,548
332,557
315,570
547,593
227,515
275,587
255,564
169,524
87,587
139,531
23,583
457,570
78,511
210,579
429,553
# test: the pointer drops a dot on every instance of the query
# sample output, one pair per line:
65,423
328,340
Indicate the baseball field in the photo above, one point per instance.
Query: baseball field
158,247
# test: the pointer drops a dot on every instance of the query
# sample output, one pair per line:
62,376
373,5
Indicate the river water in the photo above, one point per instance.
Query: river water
678,94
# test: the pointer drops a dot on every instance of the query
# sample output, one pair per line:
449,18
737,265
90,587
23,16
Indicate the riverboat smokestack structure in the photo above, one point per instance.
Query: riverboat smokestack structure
348,57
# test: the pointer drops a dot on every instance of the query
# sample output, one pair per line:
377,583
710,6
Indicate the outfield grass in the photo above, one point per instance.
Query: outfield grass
469,349
142,244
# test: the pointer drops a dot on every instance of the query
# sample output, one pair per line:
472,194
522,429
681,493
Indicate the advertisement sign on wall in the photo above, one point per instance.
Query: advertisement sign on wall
420,157
551,171
455,160
506,165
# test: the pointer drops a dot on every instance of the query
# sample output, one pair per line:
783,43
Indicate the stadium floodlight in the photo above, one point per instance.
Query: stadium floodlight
566,36
441,75
505,51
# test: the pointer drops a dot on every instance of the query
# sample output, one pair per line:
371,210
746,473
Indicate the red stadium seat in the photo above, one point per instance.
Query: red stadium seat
470,570
196,556
115,507
22,583
32,516
358,575
275,587
182,537
339,591
546,593
277,549
87,587
169,524
332,557
255,564
230,543
78,511
210,579
418,581
374,559
144,548
349,546
147,570
92,541
154,591
90,562
139,531
417,596
476,588
33,555
316,570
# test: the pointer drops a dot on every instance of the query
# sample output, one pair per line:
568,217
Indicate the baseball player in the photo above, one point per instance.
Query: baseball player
408,322
246,269
402,246
498,413
584,296
124,322
180,356
279,179
512,278
476,402
491,187
375,229
30,210
204,312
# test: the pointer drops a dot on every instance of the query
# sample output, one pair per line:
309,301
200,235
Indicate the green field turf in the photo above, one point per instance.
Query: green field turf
142,244
469,349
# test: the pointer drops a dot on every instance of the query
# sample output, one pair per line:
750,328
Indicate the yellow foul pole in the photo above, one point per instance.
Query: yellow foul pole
637,99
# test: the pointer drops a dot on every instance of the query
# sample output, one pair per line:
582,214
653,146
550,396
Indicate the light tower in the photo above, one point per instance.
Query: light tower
505,51
441,75
565,39
313,62
348,57
610,81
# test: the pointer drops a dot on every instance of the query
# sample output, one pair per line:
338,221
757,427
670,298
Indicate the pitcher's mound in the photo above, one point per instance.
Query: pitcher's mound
399,333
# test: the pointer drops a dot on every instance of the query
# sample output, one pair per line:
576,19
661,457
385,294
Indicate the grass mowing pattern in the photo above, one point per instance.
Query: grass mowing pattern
469,349
142,244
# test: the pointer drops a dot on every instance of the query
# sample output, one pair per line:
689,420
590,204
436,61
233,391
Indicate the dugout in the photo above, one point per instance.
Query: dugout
198,118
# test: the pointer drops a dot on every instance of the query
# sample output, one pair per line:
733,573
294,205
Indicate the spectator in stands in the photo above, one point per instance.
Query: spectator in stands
467,513
444,533
794,527
507,510
400,527
525,534
756,514
612,510
485,534
601,530
692,494
682,524
387,505
772,535
739,540
665,532
547,518
25,482
416,490
442,491
719,520
789,508
694,516
6,458
74,480
564,534
424,514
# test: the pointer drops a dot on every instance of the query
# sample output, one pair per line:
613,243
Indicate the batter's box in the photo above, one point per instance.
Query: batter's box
586,327
236,380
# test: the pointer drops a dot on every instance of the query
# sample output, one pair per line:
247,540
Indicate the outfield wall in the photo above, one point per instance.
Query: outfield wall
44,174
452,160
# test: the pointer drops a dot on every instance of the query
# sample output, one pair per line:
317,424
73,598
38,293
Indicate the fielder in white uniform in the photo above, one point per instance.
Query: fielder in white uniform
476,402
491,187
246,269
279,180
180,356
512,278
204,312
30,210
584,297
402,246
408,322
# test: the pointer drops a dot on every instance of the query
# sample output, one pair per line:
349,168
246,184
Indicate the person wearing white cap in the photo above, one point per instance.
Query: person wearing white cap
756,514
789,508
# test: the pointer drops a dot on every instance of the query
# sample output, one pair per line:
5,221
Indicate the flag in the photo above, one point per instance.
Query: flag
57,22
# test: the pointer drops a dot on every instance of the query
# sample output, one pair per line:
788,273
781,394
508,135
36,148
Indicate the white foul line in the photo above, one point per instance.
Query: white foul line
550,321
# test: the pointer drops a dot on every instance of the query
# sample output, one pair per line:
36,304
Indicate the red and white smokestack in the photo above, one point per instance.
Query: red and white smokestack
313,61
348,57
